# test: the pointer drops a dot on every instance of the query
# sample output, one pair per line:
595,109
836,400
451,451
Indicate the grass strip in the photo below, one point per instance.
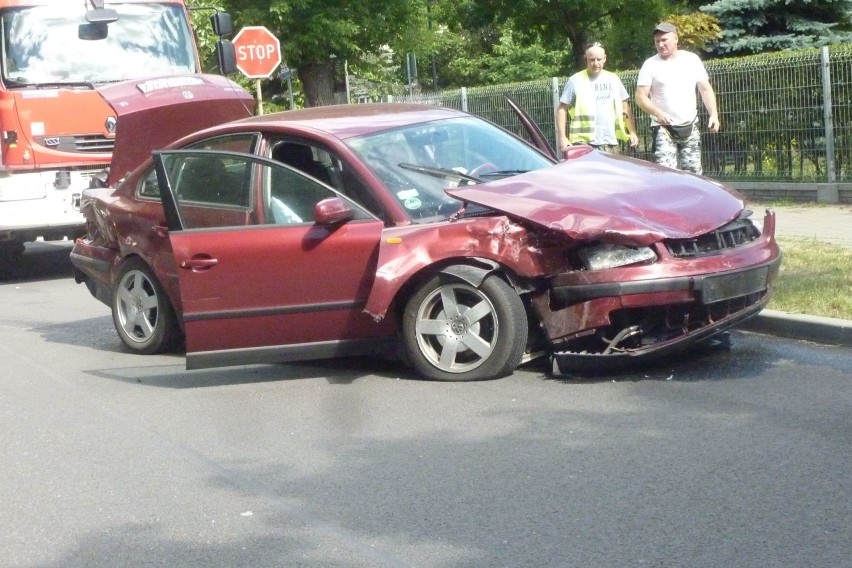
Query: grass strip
815,279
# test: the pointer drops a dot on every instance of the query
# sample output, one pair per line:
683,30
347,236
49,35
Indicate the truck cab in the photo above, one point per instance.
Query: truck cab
73,76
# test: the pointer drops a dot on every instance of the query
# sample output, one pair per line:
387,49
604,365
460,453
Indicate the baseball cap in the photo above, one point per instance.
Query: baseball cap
665,27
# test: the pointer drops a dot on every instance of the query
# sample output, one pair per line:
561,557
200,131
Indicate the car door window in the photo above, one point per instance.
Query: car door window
318,162
215,189
149,187
210,189
212,179
243,143
290,197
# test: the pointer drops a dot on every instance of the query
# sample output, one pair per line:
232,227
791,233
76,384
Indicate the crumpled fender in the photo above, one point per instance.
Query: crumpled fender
486,244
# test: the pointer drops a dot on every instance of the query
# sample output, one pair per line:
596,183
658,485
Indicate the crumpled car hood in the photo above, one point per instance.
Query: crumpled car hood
616,199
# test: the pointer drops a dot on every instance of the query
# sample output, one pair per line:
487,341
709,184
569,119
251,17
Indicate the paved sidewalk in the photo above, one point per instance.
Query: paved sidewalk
823,223
826,223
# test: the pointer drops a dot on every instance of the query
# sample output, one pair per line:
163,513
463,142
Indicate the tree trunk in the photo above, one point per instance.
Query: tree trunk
318,82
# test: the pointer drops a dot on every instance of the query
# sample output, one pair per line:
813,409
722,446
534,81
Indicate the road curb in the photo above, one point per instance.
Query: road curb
796,326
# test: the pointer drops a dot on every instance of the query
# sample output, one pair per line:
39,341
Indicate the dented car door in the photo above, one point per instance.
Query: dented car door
262,280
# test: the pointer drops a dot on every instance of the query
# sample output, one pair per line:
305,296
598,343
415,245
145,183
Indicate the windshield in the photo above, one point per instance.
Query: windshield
55,44
469,146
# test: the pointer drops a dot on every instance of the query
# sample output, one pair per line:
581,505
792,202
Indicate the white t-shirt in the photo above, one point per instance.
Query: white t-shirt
606,86
673,83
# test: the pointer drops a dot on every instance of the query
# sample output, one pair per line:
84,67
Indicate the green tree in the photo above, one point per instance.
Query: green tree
696,31
623,26
318,35
466,60
755,26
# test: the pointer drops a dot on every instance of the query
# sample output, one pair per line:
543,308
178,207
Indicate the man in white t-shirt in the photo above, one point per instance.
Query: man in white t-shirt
598,105
666,90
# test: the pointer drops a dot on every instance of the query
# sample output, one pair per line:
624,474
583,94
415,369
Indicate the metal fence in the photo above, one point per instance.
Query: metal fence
785,117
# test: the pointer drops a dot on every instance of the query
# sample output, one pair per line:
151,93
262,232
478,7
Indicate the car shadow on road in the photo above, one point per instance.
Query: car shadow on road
97,333
168,369
746,357
334,371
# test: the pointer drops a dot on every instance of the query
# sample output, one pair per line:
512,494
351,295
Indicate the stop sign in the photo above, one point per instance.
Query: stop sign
258,52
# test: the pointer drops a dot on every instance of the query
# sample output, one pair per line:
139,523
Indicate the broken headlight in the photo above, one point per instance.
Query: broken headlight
603,256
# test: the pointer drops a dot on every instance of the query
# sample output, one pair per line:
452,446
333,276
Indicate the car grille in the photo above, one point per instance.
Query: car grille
732,235
80,143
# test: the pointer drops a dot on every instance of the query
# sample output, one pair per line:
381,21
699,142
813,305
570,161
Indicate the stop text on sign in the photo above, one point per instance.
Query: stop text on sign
257,52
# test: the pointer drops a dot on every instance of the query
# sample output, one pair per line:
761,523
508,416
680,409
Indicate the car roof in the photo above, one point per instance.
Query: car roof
345,121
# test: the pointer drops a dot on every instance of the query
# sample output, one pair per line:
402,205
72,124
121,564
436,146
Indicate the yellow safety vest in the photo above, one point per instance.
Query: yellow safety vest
585,107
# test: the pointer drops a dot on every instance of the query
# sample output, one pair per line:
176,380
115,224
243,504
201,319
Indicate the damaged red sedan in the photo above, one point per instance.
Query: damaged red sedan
419,231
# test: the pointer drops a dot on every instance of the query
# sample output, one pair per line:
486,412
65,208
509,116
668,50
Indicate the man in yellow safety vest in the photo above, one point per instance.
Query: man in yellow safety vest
598,105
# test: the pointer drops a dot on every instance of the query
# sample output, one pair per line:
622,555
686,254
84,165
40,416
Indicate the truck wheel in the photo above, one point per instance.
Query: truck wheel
141,311
456,332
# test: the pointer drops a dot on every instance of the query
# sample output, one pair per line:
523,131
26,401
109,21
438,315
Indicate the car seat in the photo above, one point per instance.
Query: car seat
201,179
300,157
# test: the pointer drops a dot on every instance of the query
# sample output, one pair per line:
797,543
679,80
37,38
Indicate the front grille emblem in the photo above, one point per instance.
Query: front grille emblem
51,142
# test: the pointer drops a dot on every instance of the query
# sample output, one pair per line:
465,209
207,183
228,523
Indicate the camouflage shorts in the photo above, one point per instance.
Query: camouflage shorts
680,154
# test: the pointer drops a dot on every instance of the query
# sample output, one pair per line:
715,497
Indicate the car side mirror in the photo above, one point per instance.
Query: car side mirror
332,211
226,57
221,23
572,152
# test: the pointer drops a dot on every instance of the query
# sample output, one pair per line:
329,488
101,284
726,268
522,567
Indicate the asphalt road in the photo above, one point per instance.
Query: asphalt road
725,458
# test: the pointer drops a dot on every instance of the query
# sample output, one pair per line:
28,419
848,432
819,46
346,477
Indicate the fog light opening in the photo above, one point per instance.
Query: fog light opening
63,180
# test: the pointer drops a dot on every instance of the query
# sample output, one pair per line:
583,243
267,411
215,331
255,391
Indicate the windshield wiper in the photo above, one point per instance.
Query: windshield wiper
60,84
502,173
16,82
442,173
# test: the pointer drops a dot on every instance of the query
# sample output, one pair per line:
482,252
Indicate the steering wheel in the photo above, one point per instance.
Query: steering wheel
482,168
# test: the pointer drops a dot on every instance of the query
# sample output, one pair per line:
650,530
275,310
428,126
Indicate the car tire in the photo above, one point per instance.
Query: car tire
483,337
141,310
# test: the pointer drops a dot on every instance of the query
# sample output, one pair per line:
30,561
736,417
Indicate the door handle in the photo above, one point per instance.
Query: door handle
199,263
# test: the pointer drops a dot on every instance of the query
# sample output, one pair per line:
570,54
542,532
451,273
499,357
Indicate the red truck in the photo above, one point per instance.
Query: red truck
77,80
